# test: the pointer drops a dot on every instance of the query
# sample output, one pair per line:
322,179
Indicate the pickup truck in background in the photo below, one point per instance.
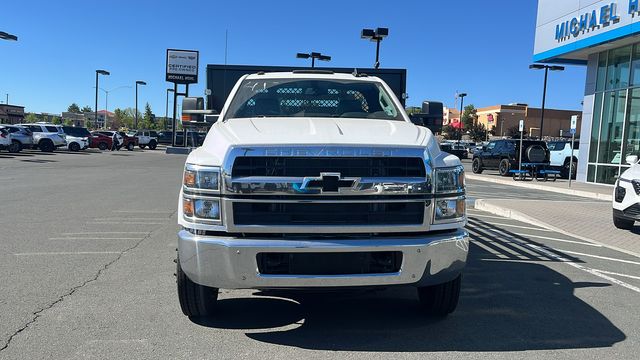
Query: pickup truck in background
311,180
560,157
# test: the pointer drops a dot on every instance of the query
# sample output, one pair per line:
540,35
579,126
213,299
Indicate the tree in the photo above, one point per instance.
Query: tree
513,131
68,122
73,108
147,119
86,109
56,120
468,116
477,132
31,118
448,132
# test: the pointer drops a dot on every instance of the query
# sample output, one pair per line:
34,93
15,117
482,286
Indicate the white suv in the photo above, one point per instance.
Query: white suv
46,137
626,196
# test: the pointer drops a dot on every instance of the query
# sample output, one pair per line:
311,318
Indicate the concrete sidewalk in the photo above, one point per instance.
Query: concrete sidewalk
592,191
589,221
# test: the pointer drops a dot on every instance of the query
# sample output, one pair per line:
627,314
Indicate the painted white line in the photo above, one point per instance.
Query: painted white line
600,257
489,249
108,232
505,238
547,238
480,237
617,274
489,217
519,227
68,253
94,238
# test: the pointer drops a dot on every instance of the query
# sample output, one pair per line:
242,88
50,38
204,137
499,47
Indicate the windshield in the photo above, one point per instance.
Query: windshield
312,98
76,131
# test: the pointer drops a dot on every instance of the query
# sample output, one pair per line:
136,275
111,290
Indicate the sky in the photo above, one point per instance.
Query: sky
482,47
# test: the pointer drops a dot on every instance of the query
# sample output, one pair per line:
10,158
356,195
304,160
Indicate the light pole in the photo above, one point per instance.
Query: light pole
461,96
139,82
313,56
98,72
166,109
544,90
375,35
7,36
106,101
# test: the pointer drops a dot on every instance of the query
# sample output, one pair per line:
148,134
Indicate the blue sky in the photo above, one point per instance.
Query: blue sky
479,47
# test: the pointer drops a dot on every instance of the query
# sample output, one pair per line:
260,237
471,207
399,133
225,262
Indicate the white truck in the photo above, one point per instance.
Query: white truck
626,196
310,179
560,157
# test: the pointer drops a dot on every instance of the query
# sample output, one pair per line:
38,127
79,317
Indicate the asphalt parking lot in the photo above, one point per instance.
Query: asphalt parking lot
88,242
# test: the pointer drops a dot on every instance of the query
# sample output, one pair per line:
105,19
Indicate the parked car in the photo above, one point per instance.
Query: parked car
128,142
77,138
626,196
455,149
5,139
110,133
560,157
504,155
147,138
21,137
100,141
46,137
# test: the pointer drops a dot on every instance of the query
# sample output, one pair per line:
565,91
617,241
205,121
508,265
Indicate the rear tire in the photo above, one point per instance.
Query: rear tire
130,146
195,300
504,167
46,145
623,224
476,166
15,147
74,147
142,146
103,146
153,144
442,299
565,171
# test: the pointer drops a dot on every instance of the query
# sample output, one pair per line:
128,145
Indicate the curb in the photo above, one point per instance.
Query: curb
482,204
178,150
581,193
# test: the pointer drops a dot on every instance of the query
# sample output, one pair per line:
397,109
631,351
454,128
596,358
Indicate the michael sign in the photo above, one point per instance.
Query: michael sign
182,66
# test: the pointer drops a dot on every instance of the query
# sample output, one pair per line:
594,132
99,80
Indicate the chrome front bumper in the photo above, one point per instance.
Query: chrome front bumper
230,263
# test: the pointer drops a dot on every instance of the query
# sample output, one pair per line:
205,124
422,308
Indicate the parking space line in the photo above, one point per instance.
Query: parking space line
617,274
600,257
489,249
68,253
481,237
520,248
549,238
522,227
489,217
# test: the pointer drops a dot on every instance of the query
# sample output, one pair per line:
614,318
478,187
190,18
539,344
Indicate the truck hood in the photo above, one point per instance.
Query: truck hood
303,131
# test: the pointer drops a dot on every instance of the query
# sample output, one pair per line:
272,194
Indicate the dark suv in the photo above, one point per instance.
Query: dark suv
503,155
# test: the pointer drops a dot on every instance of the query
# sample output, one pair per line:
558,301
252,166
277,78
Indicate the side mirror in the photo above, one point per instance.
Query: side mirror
632,159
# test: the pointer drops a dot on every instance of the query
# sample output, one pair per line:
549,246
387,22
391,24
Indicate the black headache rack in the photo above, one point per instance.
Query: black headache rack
222,78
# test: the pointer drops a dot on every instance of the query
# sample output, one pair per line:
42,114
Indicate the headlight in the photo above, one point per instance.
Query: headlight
448,210
450,180
201,210
201,178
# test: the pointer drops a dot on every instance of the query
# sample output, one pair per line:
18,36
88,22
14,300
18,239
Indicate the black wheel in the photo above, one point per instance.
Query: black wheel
103,146
74,146
46,145
622,223
153,144
130,146
442,299
476,166
195,299
565,171
142,146
504,167
15,147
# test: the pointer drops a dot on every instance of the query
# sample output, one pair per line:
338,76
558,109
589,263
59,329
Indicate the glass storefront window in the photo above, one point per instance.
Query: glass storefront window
618,68
591,173
610,142
635,65
602,71
607,174
595,127
632,128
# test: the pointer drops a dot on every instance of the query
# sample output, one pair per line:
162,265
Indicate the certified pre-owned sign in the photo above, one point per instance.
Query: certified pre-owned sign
182,66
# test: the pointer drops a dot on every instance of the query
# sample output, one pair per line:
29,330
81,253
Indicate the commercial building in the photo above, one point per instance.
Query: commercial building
506,118
11,114
603,36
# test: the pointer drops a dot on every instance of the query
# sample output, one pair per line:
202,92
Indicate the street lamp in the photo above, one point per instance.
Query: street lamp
7,36
544,90
98,72
139,82
106,101
166,109
313,56
461,96
375,35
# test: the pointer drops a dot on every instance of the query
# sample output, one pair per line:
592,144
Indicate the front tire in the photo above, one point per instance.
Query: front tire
130,146
623,224
195,300
153,144
103,146
15,147
46,146
142,146
565,172
442,299
504,167
74,147
476,166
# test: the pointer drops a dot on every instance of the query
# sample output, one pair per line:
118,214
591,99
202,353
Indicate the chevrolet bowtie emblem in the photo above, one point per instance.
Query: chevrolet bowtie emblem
328,182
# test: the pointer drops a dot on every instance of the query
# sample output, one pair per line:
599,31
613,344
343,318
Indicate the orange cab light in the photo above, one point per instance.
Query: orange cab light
189,178
187,207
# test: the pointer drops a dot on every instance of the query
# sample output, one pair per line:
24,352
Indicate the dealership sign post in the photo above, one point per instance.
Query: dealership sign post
182,68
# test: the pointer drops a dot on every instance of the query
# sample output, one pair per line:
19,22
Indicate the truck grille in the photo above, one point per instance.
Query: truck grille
313,166
345,213
350,263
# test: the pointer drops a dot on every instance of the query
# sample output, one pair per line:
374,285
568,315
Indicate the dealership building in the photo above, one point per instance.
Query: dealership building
604,36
